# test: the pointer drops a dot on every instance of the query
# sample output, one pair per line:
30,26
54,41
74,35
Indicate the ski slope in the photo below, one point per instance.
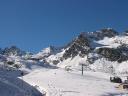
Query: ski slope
11,85
58,82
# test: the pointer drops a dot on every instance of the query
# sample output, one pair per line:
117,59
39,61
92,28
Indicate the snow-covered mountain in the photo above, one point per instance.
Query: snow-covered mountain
46,52
13,50
103,53
102,50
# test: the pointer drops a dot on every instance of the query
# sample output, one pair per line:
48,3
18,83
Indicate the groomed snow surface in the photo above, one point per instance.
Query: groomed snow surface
58,82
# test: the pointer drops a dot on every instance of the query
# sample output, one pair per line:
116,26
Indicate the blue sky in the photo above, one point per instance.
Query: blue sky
36,24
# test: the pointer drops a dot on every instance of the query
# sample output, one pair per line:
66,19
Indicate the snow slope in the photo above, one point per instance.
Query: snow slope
58,82
113,42
10,85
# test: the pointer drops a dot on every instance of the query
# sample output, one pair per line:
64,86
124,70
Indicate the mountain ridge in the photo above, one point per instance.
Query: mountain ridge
105,45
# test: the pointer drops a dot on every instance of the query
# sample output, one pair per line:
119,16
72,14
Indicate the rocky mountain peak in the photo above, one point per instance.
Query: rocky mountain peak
79,46
108,32
13,50
105,32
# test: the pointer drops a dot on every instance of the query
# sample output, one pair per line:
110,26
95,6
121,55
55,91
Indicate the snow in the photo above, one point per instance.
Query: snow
74,63
44,52
10,85
53,57
58,82
113,42
122,68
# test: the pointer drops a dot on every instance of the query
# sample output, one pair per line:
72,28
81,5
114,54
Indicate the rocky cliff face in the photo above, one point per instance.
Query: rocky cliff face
80,46
99,35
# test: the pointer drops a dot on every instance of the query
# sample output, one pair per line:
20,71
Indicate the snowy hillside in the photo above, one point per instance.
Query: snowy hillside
58,82
11,85
57,71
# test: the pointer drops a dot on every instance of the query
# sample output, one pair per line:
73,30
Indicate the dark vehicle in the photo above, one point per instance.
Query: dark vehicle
115,80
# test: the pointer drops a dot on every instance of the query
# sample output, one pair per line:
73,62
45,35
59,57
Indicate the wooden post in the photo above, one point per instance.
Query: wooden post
82,69
22,74
22,82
